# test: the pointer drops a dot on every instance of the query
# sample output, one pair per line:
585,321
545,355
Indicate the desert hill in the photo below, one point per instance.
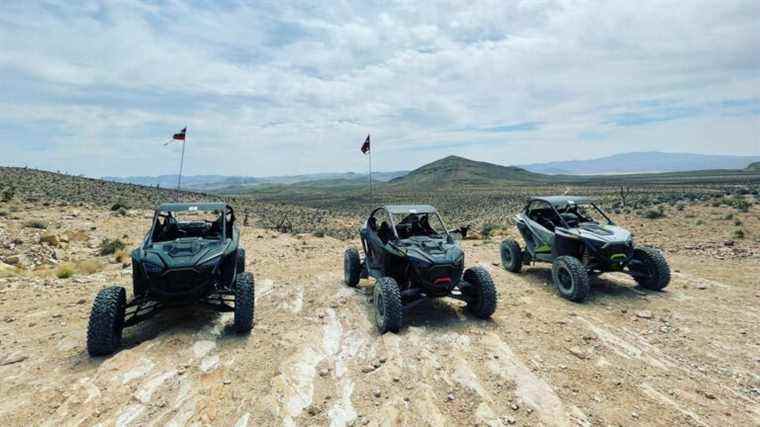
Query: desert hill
455,170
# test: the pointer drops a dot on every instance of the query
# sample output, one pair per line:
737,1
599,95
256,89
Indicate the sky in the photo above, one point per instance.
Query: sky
290,87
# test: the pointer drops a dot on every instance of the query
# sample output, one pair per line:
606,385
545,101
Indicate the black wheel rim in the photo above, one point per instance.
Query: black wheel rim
506,256
565,280
380,308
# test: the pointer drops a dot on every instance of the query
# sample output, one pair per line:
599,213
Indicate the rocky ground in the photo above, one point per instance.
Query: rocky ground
687,356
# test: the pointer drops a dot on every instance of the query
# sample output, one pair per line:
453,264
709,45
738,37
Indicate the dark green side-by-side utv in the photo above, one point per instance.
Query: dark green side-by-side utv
580,241
412,256
190,255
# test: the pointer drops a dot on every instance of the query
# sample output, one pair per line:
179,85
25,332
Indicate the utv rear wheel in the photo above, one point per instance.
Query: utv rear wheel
650,269
388,308
570,278
106,321
480,292
351,267
241,261
244,302
511,256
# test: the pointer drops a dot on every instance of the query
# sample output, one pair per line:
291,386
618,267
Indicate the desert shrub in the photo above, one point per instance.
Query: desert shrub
654,213
50,238
89,266
4,214
738,234
121,255
739,203
108,246
680,206
121,212
728,217
8,194
119,205
700,222
319,234
737,222
64,271
487,229
35,223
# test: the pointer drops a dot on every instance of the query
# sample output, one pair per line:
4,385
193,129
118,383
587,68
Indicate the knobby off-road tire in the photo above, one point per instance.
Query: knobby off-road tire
654,267
351,267
244,302
570,278
389,312
480,291
241,261
511,256
106,321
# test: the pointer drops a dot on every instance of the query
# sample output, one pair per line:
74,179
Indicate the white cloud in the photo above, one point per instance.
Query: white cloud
275,88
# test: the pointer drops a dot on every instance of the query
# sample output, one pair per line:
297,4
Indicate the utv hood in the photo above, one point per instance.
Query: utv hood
601,232
433,251
185,253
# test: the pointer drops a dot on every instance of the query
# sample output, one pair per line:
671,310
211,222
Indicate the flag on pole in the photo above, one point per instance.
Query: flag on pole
178,136
365,146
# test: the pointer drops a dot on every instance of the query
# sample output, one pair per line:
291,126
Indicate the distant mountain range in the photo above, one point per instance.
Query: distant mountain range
454,169
642,162
217,182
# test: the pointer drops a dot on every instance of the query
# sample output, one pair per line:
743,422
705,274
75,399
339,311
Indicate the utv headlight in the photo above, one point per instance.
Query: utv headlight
420,263
209,265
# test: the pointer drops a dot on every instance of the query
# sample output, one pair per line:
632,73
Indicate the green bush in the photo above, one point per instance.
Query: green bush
64,271
738,234
108,246
8,194
653,213
487,230
119,205
737,222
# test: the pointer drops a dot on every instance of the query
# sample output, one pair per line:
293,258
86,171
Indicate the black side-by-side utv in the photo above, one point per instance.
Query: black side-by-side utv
580,241
412,256
190,255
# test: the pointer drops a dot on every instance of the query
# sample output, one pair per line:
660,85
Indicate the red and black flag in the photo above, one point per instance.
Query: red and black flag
178,136
181,135
365,146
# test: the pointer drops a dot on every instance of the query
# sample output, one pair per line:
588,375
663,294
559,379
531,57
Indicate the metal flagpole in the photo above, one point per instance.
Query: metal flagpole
370,173
181,163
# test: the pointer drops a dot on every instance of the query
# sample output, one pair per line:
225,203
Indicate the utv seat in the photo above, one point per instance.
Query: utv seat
385,233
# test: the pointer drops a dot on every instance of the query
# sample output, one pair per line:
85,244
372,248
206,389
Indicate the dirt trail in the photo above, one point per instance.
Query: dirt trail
689,356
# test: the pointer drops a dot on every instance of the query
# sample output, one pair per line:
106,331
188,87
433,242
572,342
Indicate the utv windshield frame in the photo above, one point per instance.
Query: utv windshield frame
563,202
168,211
403,211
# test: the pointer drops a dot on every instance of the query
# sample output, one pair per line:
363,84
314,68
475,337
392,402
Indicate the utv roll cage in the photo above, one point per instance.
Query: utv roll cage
392,227
557,203
171,229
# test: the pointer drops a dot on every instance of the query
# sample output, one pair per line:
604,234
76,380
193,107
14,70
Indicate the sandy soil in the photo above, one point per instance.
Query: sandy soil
687,356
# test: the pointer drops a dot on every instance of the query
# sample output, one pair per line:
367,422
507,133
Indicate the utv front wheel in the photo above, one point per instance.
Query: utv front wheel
480,291
649,268
511,256
106,321
351,267
388,308
244,302
570,278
